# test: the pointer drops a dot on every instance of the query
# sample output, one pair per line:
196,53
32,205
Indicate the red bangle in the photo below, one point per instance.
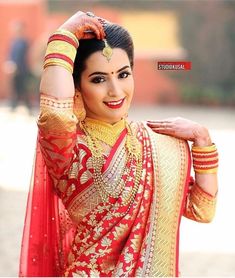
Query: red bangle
205,159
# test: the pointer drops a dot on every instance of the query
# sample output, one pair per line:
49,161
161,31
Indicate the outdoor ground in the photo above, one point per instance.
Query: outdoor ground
207,250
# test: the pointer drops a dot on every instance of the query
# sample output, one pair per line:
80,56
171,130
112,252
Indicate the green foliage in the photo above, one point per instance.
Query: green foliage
212,95
207,34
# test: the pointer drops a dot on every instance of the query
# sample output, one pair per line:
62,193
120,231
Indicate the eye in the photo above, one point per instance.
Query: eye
124,74
97,79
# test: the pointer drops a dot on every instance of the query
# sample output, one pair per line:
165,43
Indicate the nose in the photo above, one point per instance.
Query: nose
115,88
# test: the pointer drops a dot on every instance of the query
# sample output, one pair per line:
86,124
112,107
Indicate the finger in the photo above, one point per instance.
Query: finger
166,131
89,35
98,27
91,31
160,124
158,121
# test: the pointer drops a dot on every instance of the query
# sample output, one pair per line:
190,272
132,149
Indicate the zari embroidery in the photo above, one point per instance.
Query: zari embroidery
170,166
118,239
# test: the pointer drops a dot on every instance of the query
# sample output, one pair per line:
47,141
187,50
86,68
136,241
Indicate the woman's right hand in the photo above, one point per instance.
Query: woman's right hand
84,26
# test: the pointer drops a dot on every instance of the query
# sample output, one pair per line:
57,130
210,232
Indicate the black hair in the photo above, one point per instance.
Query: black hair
116,36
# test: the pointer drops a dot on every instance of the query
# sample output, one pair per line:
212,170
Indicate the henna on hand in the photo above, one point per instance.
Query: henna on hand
84,26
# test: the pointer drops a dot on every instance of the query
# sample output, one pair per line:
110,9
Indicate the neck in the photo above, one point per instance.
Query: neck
103,131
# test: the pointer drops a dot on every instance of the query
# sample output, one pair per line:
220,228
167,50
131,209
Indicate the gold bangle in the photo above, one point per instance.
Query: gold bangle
68,34
60,53
58,62
206,171
205,159
61,47
205,149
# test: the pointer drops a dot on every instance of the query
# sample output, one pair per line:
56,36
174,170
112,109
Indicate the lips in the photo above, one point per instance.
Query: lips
114,104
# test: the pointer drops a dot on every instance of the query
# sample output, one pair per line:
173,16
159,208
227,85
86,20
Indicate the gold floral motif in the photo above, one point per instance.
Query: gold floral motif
62,184
128,257
108,264
106,242
136,243
120,230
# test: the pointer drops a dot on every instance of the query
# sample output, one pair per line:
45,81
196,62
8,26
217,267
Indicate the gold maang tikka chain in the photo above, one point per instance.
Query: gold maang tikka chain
107,50
133,153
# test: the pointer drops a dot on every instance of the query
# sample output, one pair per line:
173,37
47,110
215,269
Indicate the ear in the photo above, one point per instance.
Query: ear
77,91
78,108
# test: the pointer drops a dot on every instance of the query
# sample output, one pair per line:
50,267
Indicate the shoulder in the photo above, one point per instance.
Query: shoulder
161,140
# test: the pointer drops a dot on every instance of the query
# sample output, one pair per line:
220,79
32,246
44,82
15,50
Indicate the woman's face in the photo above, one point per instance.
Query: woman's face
107,86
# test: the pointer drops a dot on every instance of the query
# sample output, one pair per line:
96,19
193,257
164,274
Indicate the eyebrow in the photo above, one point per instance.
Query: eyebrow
105,73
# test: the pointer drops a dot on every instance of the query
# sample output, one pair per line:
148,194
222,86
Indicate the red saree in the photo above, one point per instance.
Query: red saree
139,238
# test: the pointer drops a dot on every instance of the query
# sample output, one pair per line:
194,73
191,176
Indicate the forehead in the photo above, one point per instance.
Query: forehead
98,62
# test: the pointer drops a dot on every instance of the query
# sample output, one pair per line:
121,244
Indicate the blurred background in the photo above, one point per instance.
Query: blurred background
202,32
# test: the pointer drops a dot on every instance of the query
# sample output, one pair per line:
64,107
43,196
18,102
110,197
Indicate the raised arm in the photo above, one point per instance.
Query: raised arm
57,122
57,80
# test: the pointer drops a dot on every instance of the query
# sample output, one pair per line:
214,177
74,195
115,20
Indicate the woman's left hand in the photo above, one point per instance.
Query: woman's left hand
183,129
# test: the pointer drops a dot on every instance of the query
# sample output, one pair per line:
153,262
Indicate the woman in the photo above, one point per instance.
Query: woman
107,195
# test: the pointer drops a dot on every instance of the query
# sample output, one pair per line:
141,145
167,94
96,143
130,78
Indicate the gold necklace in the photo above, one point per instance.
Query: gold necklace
103,131
94,134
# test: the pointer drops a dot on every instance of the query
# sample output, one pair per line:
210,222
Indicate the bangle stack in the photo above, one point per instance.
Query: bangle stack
61,50
205,159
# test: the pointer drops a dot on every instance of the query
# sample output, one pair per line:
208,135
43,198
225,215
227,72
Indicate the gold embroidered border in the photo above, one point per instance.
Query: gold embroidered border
56,116
170,165
49,101
83,203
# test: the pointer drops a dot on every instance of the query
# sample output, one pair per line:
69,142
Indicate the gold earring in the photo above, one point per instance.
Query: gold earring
78,108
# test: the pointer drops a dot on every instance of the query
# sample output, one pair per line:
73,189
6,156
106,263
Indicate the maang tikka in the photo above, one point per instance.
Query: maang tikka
107,50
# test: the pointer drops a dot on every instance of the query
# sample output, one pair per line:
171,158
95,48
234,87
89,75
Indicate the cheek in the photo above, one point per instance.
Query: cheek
92,97
130,87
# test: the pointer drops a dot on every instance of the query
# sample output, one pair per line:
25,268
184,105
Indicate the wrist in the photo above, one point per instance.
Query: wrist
202,137
74,30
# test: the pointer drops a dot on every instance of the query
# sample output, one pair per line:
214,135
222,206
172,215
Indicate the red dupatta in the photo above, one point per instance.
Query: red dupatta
47,229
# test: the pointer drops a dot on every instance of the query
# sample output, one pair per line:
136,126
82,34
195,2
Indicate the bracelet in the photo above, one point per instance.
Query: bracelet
61,50
205,159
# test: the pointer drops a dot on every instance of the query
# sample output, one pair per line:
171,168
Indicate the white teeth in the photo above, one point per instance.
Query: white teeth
115,102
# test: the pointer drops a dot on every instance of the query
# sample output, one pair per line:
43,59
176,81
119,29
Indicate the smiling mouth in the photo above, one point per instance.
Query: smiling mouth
114,104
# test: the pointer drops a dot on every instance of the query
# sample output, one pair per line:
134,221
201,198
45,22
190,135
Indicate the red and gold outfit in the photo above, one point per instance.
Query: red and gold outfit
121,219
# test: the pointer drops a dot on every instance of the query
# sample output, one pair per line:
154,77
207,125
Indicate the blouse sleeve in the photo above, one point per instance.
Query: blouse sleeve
199,206
57,134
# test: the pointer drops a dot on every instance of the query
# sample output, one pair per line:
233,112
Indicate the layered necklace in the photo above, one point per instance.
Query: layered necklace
99,133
